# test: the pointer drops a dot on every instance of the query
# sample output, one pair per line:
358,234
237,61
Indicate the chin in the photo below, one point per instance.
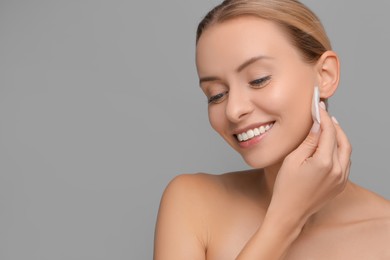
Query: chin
262,163
261,159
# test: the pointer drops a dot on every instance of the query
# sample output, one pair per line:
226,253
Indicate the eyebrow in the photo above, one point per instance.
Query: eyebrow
250,61
239,68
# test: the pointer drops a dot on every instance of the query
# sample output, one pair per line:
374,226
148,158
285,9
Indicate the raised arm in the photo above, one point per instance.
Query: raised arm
310,176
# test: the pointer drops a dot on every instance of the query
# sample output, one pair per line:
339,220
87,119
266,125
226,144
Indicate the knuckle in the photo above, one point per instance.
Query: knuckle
338,178
337,173
326,164
311,141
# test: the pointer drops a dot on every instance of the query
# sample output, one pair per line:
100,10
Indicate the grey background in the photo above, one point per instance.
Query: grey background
100,108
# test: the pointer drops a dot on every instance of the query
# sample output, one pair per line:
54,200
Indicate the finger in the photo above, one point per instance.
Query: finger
343,144
346,174
327,141
336,165
307,148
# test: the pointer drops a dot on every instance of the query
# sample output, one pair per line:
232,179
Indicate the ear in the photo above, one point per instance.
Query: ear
328,74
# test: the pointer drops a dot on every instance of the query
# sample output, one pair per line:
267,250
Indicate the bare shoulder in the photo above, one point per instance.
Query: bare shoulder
356,227
188,193
196,197
198,211
191,186
369,225
374,205
203,187
377,209
180,227
375,230
368,209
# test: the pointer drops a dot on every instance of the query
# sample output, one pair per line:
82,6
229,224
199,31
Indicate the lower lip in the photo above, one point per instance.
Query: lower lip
253,141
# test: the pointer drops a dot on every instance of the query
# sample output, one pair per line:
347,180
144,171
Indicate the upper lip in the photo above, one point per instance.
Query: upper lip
251,127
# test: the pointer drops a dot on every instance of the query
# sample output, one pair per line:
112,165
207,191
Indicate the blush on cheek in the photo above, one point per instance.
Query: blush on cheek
277,99
300,129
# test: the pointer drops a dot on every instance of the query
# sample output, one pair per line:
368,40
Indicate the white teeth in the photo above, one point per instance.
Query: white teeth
262,129
253,132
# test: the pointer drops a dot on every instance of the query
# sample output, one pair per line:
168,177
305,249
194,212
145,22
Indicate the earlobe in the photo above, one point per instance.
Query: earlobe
328,69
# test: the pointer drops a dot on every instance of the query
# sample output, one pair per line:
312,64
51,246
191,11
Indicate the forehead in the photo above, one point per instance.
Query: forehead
230,42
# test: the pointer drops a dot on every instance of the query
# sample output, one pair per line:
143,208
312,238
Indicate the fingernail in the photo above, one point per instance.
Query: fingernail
335,120
322,105
315,128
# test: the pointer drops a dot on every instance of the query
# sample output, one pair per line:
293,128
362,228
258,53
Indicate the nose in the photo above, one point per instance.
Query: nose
239,105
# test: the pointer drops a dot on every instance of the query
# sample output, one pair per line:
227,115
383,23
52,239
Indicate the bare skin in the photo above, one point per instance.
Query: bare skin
226,210
298,202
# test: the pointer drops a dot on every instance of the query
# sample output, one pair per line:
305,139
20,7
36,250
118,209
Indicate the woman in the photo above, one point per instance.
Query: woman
258,63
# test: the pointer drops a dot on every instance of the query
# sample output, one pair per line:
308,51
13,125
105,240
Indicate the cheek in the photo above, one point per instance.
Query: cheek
294,95
296,115
298,106
291,101
215,114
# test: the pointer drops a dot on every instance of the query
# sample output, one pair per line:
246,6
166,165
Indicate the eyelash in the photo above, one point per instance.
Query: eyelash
260,82
217,98
257,83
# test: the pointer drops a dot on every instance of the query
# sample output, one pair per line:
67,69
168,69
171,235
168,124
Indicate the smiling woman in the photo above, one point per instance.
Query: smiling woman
259,62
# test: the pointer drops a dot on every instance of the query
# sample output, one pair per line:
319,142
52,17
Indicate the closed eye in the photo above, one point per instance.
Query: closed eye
217,98
260,82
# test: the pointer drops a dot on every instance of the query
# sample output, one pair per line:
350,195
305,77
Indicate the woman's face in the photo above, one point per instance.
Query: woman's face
258,86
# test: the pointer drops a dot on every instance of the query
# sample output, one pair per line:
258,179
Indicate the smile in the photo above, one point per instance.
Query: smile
252,133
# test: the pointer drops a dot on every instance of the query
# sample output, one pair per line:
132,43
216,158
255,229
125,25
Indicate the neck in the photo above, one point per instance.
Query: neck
269,176
326,214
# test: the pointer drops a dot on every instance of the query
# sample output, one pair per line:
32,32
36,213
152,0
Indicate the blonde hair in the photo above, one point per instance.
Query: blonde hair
301,25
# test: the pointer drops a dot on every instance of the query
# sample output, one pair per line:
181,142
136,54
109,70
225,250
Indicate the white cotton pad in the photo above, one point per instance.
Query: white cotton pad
315,109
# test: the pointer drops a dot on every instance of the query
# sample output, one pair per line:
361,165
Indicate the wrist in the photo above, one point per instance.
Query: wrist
288,224
273,239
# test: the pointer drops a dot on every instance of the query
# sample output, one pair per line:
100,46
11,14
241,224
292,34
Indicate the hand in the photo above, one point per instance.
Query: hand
314,173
